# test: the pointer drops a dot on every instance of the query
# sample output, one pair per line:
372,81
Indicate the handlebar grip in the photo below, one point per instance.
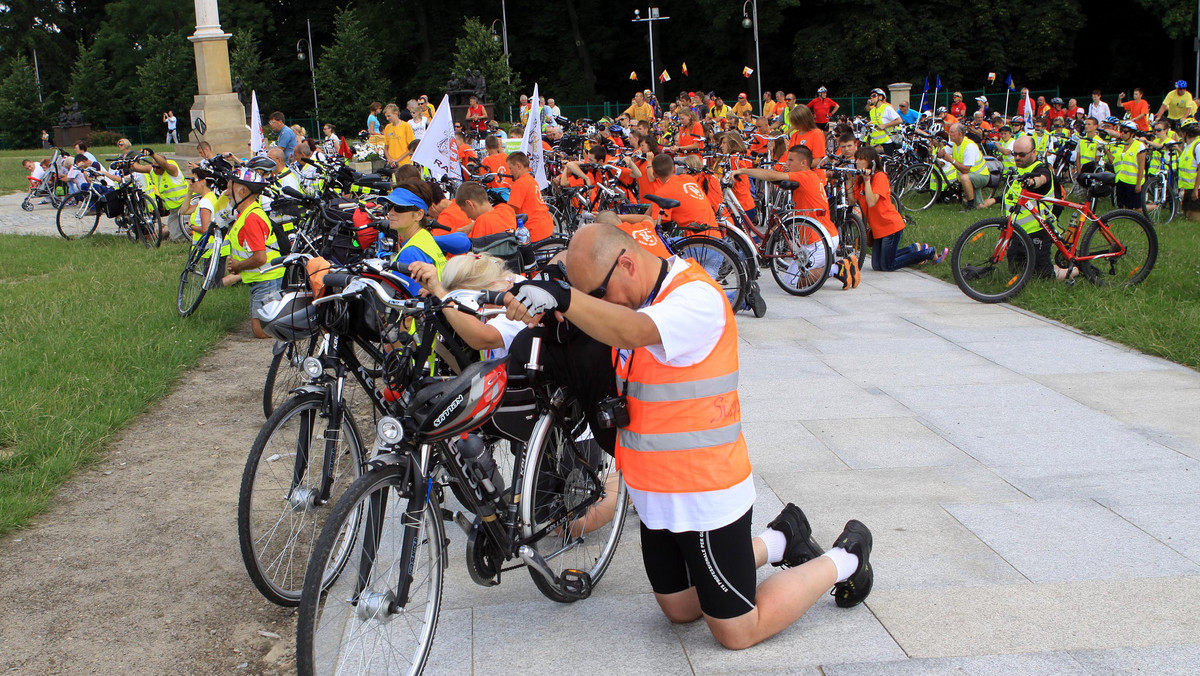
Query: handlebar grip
292,192
276,260
492,297
337,279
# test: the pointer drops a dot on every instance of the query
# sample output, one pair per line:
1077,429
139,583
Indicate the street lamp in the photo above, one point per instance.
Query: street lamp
752,22
652,15
312,71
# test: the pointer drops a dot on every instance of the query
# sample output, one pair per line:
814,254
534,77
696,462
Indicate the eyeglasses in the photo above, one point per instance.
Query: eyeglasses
1024,154
602,290
400,208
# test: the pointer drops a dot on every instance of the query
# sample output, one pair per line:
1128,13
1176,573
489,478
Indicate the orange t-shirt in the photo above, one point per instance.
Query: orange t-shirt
741,184
811,195
693,206
692,135
526,198
498,164
644,233
813,140
500,219
882,219
453,217
1138,107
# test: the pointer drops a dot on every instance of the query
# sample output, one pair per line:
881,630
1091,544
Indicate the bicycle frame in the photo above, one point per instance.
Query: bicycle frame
1030,201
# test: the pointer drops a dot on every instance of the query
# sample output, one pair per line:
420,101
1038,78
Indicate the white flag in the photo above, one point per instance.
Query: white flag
531,143
256,136
437,151
1028,114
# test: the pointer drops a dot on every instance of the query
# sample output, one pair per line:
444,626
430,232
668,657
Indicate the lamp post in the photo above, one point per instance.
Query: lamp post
652,15
752,22
312,70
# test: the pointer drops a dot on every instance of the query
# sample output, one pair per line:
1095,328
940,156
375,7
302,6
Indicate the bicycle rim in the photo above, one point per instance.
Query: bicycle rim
572,488
285,374
917,188
799,257
373,632
720,262
278,518
1130,230
73,220
989,268
192,280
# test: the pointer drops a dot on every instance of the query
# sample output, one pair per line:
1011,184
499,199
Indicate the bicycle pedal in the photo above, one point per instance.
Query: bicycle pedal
577,583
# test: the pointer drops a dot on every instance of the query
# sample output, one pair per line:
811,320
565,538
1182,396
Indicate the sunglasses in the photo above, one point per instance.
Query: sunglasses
1024,154
602,290
400,208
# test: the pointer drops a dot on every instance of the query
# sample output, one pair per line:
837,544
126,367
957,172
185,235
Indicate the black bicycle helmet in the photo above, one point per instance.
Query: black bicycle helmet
261,163
291,318
250,179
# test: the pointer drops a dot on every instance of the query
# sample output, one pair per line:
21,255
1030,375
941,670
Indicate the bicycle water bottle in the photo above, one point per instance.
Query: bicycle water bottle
522,234
480,467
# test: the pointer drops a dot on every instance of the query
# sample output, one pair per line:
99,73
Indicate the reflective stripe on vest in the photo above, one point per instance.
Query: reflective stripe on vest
1187,166
1041,143
171,189
960,152
1087,149
1006,161
685,426
878,136
211,200
1025,218
238,253
1125,162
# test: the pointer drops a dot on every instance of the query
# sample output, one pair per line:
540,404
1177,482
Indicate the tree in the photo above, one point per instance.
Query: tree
22,116
91,86
166,80
348,72
477,49
246,62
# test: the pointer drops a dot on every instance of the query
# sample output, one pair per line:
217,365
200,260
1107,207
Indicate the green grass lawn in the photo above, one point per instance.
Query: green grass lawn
12,174
1158,317
89,338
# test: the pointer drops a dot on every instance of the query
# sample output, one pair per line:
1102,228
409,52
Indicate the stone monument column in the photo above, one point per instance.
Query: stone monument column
898,92
216,104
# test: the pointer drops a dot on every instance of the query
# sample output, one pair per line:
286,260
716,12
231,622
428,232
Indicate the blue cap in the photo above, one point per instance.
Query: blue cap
1181,84
403,197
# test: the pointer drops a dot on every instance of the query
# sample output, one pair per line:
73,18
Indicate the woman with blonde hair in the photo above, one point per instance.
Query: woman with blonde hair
476,272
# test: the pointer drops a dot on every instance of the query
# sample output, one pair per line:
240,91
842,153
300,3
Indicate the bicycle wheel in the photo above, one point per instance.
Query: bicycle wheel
285,373
989,266
278,515
1127,229
77,216
573,493
359,624
919,187
720,261
197,272
799,256
145,224
1158,202
852,237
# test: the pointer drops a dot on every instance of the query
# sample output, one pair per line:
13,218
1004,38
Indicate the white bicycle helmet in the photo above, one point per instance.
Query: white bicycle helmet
292,317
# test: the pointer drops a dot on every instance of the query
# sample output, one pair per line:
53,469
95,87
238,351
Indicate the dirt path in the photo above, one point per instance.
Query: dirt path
136,568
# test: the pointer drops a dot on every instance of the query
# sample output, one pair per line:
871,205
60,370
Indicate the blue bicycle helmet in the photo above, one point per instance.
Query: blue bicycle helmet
1111,119
1181,84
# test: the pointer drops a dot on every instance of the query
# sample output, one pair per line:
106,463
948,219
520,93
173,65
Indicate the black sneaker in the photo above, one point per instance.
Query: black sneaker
801,546
856,539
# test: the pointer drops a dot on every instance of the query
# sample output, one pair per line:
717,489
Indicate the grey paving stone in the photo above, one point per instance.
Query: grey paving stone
451,652
920,485
1067,353
601,636
1058,663
1177,660
930,345
1096,614
825,634
807,399
1061,540
786,446
1169,479
1173,521
916,368
873,443
945,324
887,327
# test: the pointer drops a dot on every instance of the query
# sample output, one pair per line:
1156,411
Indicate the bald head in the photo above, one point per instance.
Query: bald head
276,153
596,249
1023,151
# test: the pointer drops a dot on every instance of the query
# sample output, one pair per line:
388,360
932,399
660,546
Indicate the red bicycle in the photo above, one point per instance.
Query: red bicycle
995,258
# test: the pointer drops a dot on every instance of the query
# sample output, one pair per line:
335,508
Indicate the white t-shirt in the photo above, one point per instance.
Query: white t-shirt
690,322
1099,111
971,154
38,171
889,114
171,123
419,127
508,331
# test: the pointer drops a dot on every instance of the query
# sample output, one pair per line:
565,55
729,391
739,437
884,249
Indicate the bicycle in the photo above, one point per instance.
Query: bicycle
205,261
131,209
390,520
1160,193
993,259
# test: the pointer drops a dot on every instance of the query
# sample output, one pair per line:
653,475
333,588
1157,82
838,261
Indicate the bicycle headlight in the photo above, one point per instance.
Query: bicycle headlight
313,368
389,429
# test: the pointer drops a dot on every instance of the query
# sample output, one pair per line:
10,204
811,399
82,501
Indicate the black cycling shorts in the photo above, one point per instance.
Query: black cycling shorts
718,563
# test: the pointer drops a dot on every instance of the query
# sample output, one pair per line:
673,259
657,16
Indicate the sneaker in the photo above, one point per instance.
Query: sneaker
856,539
801,546
843,274
940,257
855,271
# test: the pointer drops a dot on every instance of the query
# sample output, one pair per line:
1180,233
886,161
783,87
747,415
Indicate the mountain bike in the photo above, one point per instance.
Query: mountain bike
1160,194
993,259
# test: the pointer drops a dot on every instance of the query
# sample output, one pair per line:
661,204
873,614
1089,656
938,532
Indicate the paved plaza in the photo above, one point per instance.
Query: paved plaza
1034,495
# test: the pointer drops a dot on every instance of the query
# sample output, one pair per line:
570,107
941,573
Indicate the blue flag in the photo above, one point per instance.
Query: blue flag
939,81
926,83
1009,83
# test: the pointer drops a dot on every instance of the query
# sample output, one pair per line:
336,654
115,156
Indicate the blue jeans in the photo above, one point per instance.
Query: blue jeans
886,254
261,293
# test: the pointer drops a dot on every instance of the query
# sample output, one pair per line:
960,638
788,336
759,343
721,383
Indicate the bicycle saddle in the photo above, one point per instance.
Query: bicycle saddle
662,202
1101,177
789,185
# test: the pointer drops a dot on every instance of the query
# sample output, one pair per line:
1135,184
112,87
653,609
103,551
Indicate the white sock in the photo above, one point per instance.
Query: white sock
846,562
776,542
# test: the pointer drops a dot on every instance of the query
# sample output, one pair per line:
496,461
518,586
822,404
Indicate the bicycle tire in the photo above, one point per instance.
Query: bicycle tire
1157,194
145,223
797,269
555,483
267,482
1131,229
327,618
196,276
852,237
978,254
73,220
284,374
720,261
919,187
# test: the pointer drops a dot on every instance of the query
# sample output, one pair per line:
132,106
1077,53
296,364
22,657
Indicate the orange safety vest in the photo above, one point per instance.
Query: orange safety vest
685,422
